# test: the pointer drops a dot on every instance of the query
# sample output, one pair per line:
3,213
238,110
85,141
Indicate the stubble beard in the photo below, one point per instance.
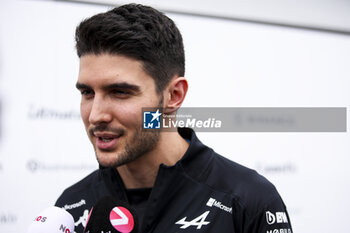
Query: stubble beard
139,144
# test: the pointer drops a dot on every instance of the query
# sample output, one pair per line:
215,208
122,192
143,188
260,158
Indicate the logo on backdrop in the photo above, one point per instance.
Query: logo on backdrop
36,166
36,112
276,168
121,219
7,218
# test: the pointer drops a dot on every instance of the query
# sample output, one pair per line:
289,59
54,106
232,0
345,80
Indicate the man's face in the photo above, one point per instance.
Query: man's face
114,90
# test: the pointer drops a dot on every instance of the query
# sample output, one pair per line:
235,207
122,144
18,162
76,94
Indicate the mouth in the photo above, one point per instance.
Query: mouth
106,141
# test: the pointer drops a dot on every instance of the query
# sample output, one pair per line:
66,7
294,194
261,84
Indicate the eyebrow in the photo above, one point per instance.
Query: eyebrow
122,85
80,86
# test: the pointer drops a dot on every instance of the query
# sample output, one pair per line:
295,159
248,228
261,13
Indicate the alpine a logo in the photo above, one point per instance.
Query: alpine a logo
197,222
212,202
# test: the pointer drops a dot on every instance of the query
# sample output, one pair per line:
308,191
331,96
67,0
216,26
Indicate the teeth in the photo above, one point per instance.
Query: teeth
106,139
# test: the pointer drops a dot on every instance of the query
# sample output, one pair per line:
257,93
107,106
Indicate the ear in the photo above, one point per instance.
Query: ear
175,94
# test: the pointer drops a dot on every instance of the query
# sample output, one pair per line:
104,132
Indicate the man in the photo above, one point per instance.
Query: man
132,57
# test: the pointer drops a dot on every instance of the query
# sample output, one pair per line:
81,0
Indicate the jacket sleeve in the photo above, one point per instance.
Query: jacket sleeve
273,218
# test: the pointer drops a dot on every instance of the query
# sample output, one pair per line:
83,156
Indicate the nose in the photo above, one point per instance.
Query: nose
100,112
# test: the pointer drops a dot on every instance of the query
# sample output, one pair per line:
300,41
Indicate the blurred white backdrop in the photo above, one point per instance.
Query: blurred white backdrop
44,148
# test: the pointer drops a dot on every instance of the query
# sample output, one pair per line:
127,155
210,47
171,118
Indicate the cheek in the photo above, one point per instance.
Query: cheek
128,115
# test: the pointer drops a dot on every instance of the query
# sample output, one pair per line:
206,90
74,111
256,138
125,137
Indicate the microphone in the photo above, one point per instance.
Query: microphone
52,220
111,216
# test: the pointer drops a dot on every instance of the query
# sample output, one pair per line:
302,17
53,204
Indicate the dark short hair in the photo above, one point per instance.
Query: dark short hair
139,32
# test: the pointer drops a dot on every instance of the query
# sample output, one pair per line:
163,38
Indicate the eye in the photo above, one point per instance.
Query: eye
120,92
86,92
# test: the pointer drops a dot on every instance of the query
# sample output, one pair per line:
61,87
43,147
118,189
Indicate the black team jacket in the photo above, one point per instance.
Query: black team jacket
202,192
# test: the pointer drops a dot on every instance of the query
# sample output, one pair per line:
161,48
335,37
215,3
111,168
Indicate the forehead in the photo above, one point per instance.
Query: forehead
105,69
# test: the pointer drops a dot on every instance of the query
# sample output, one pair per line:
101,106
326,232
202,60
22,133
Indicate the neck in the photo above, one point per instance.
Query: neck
142,172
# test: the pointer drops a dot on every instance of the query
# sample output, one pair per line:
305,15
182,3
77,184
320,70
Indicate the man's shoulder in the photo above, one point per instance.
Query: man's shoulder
249,188
237,175
206,166
251,193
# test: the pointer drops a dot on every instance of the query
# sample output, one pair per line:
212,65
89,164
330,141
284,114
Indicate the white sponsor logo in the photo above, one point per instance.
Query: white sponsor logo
279,217
75,205
198,222
122,220
286,230
212,202
270,218
83,219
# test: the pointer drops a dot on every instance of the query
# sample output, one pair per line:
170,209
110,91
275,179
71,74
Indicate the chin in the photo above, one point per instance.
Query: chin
108,163
107,159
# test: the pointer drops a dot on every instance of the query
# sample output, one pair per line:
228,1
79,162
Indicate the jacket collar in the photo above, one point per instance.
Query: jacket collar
198,156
